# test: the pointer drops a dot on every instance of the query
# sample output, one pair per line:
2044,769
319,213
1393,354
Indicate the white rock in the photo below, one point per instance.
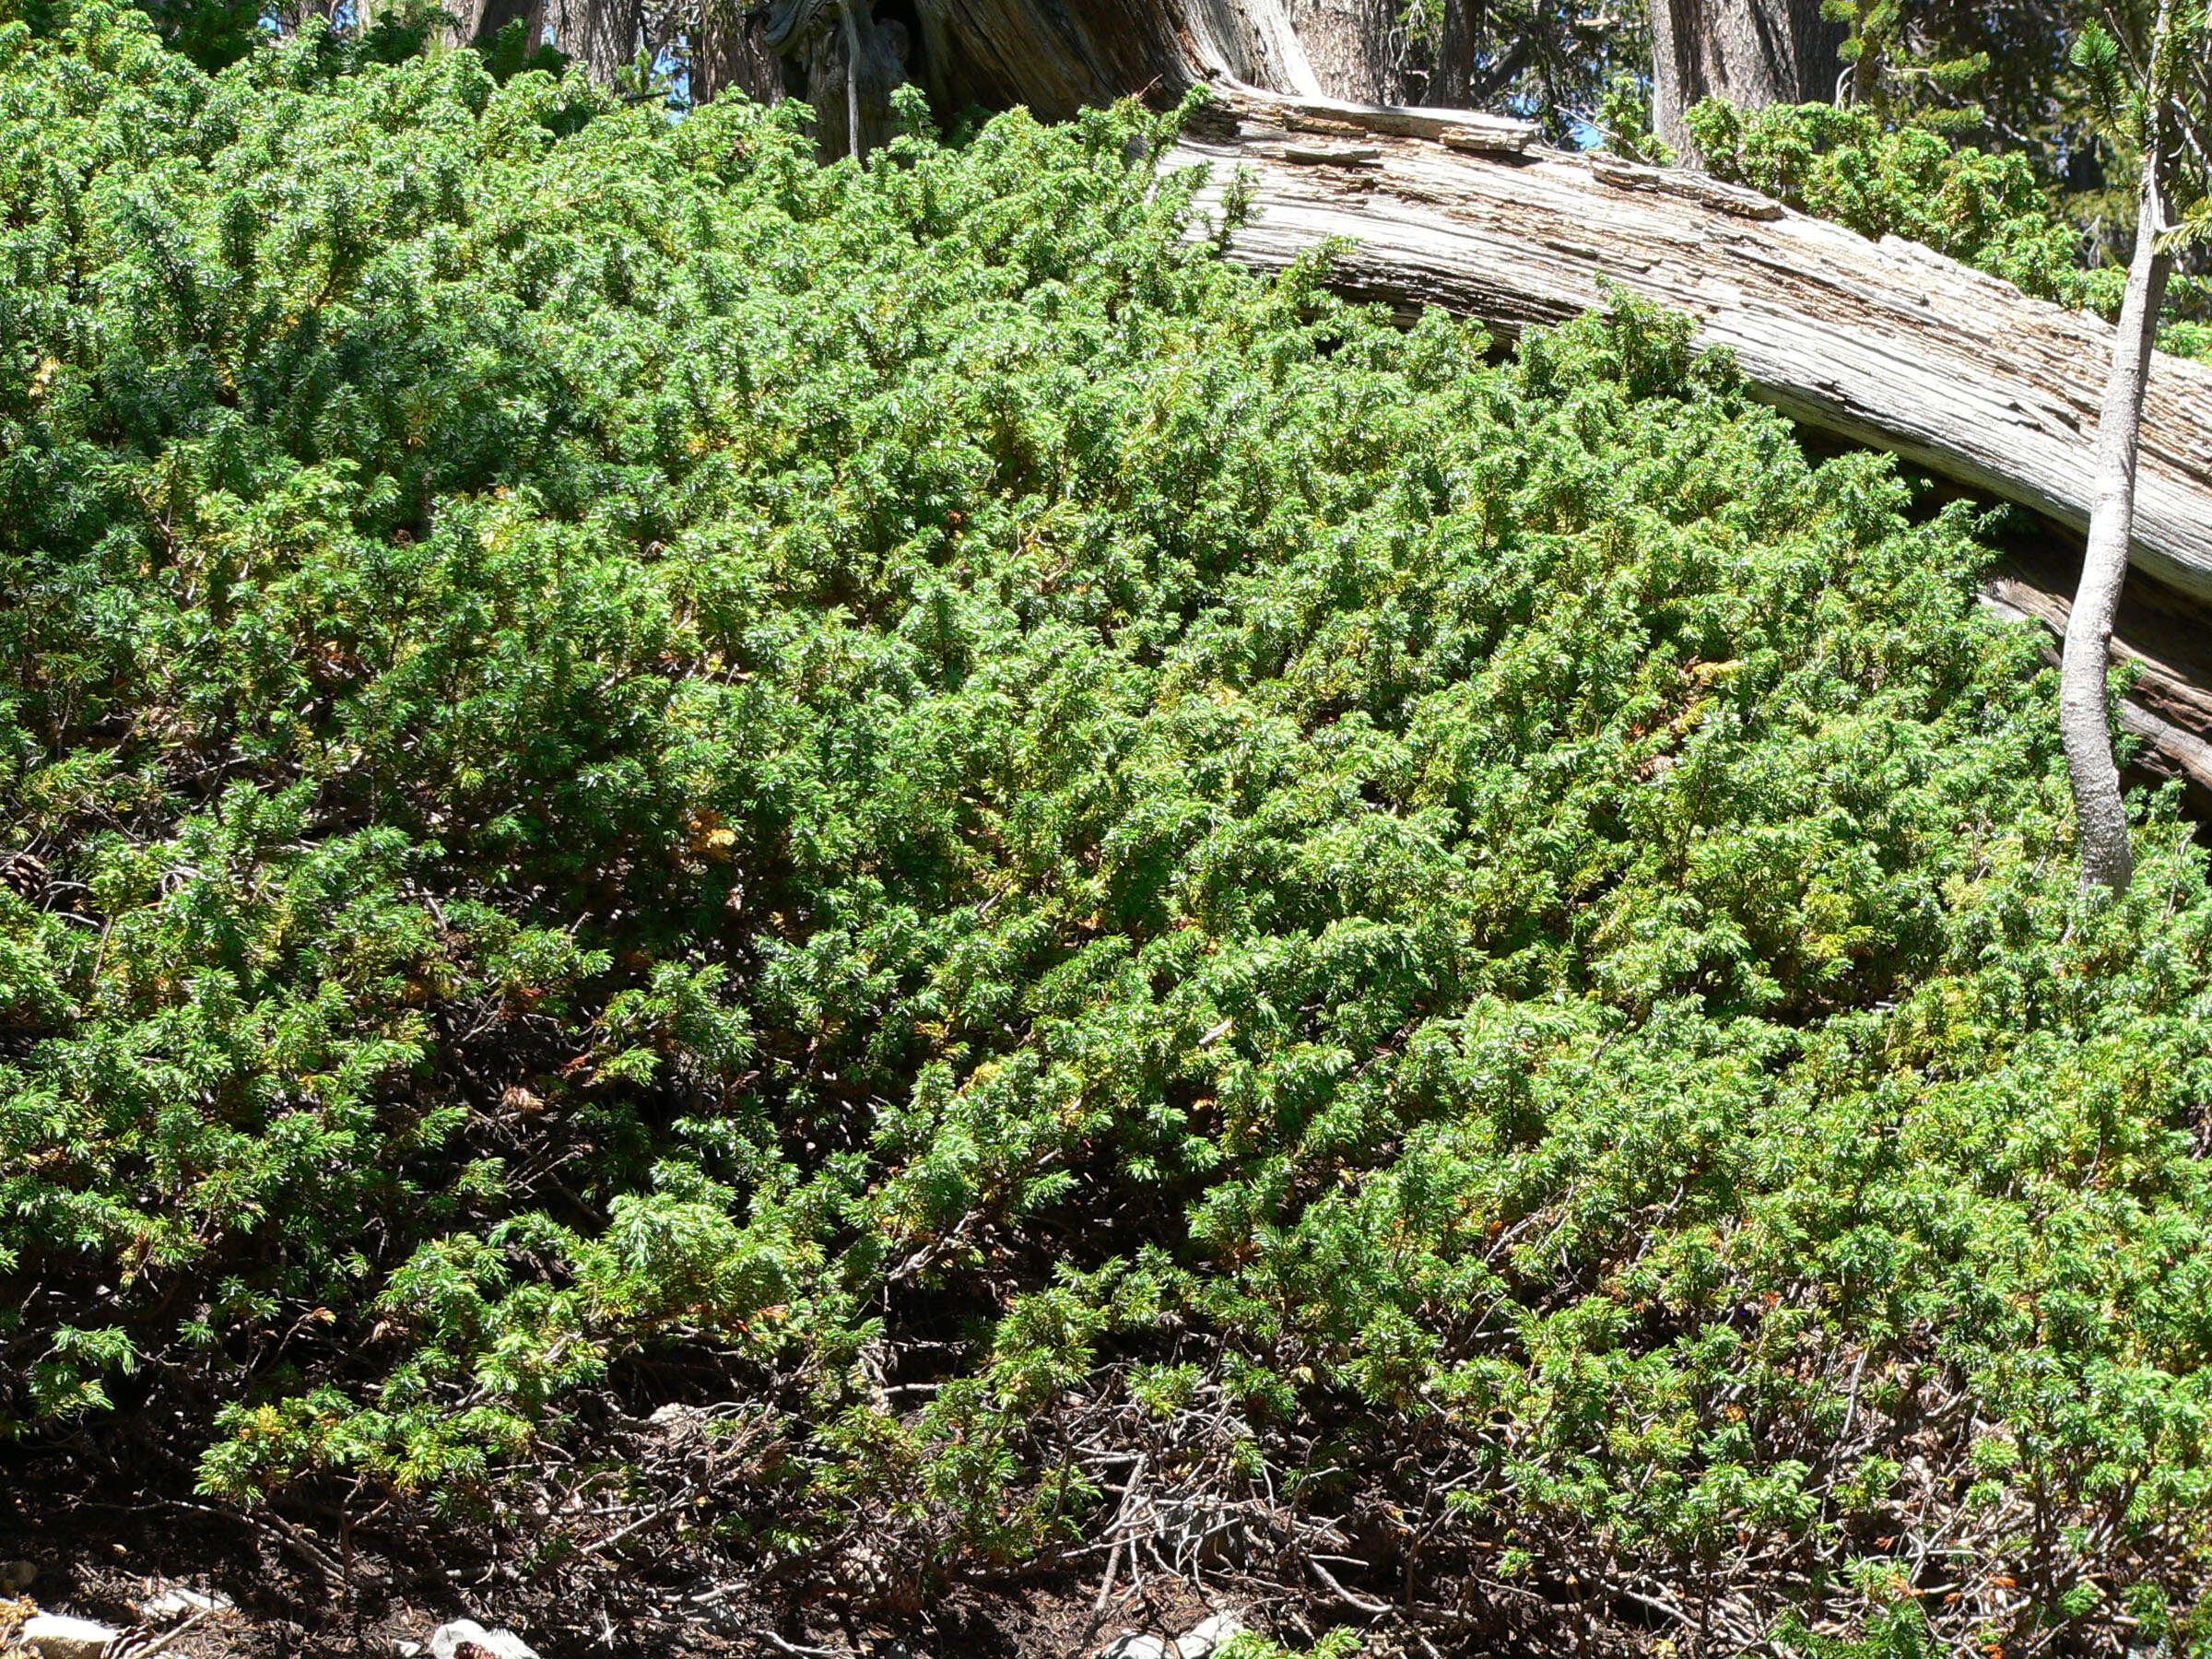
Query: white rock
405,1649
1211,1636
1198,1642
502,1644
175,1604
51,1636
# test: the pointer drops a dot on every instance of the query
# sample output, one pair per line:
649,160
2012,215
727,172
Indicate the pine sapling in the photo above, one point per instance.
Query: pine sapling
2153,114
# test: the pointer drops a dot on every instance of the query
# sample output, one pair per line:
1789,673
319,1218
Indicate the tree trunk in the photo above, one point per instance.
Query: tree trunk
730,54
726,39
478,22
1450,84
1751,53
849,63
600,35
1055,56
1355,46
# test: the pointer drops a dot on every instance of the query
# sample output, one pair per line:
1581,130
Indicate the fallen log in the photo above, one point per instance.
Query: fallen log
1884,343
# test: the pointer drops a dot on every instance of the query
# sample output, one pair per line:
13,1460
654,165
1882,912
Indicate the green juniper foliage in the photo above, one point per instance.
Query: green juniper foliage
1999,73
1337,1645
903,797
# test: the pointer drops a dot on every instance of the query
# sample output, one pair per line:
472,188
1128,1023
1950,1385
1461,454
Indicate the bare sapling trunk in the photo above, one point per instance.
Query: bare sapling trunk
2100,816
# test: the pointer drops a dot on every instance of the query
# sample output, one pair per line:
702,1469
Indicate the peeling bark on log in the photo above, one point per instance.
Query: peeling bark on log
1884,344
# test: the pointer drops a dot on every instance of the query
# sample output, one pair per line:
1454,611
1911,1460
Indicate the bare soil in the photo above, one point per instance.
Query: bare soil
111,1555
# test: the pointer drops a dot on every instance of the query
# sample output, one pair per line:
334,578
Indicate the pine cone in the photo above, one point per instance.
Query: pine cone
23,875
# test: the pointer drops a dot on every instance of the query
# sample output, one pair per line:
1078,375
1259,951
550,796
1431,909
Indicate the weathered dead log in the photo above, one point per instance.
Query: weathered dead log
1884,344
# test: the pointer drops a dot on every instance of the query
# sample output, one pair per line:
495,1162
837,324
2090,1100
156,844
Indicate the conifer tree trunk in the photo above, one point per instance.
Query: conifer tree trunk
1451,85
600,35
1055,56
850,61
478,22
730,54
1751,53
1353,46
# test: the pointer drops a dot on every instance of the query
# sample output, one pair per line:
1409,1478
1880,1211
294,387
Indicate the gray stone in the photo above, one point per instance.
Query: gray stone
1192,1531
